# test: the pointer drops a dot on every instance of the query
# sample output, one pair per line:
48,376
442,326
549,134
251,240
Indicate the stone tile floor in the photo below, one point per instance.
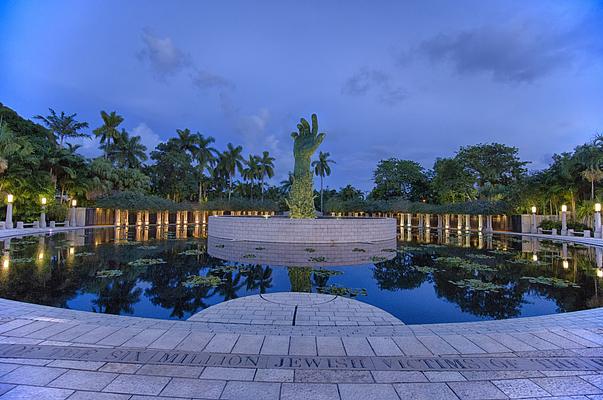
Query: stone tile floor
220,333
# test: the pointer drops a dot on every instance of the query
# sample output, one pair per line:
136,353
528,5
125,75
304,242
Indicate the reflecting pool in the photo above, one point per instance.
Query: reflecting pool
425,276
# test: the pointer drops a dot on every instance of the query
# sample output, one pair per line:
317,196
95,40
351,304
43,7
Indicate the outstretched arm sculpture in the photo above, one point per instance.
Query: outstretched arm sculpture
306,141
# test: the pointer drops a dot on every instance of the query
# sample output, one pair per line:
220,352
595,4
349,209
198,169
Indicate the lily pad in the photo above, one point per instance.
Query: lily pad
310,250
143,262
549,281
206,281
22,260
109,273
249,256
192,252
477,285
341,291
378,259
147,247
359,250
480,256
84,254
424,270
317,259
326,273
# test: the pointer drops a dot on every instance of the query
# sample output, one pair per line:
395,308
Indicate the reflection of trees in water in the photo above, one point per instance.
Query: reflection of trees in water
258,277
231,283
398,273
116,296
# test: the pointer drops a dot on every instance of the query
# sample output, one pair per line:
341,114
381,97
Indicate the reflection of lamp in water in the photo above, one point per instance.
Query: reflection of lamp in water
534,230
6,260
41,255
71,251
598,220
534,257
599,273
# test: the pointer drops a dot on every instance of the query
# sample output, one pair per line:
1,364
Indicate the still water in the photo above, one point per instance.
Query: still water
423,277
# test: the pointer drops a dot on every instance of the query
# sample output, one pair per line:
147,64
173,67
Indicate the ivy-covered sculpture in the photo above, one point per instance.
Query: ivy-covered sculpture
306,141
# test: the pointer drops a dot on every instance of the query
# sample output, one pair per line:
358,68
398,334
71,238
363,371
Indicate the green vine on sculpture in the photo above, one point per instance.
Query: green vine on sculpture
306,141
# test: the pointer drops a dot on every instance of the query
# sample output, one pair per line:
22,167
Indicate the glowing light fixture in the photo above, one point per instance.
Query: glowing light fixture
600,273
598,207
44,201
565,264
73,203
533,209
5,263
10,198
534,257
564,208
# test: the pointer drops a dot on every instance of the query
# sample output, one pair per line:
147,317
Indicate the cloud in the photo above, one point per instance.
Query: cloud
162,55
205,80
147,136
514,53
374,81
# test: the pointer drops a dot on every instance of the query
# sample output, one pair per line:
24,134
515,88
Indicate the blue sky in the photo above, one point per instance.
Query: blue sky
412,79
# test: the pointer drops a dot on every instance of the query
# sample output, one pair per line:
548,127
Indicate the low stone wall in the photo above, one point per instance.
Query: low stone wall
286,230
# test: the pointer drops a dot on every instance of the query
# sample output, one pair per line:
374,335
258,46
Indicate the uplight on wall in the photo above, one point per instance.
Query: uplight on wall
533,209
73,203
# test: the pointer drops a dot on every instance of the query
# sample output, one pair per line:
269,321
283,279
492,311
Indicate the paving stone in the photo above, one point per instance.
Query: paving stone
274,375
221,343
251,391
184,387
83,380
398,376
195,341
120,368
332,376
275,345
229,374
302,346
357,346
6,368
306,391
36,392
329,346
170,339
384,346
367,391
596,380
144,338
520,388
437,345
31,375
248,344
137,384
5,387
566,386
476,391
424,391
444,376
180,371
491,375
73,364
411,346
98,396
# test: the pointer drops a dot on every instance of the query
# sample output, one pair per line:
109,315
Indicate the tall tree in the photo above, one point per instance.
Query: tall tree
322,169
451,182
266,169
63,126
108,131
400,178
251,172
127,152
206,156
231,161
186,141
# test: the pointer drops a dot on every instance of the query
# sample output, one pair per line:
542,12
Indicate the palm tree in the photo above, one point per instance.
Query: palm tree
186,141
322,169
108,130
63,126
206,157
128,151
11,146
251,171
286,184
266,164
592,174
231,161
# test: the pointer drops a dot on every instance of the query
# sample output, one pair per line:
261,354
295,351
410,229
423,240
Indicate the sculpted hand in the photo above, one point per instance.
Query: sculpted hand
307,139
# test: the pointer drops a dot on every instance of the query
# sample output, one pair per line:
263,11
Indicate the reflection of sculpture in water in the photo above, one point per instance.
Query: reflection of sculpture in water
299,277
306,141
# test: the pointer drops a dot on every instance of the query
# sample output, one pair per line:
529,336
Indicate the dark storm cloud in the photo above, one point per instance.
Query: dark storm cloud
374,81
512,53
162,55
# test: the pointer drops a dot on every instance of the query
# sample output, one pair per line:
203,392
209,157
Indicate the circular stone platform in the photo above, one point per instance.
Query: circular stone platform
296,309
287,230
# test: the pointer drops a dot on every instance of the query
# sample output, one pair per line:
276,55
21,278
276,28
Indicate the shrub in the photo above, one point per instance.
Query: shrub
57,212
548,224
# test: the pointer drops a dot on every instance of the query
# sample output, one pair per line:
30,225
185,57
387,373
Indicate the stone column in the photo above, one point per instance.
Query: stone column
467,222
401,221
533,228
166,217
147,218
459,222
185,217
43,217
409,219
597,230
439,221
178,218
480,222
9,215
427,221
564,220
446,221
420,221
138,218
489,228
126,218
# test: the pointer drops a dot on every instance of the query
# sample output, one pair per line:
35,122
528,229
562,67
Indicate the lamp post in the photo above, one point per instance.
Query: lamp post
564,219
9,211
597,220
43,213
534,229
73,220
